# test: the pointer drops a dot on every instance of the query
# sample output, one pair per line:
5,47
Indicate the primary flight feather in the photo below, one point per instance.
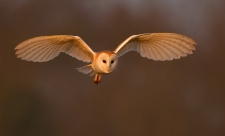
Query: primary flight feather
156,46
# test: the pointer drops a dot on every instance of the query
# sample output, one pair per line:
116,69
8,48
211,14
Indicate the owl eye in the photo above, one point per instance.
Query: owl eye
104,61
112,61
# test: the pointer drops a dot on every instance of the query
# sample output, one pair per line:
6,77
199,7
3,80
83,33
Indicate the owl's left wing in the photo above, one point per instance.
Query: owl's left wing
157,46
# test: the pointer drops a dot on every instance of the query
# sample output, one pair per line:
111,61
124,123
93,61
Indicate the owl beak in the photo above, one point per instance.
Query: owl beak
107,70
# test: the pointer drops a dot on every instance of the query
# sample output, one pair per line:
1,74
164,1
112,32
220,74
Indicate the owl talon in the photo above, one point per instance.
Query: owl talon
97,79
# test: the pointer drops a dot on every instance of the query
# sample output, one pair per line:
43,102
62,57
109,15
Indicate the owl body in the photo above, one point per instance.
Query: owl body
156,46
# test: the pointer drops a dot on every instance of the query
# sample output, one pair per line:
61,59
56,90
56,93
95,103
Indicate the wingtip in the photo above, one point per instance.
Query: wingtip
192,45
16,48
194,48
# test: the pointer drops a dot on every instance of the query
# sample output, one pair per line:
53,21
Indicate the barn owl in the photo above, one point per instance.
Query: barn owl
156,46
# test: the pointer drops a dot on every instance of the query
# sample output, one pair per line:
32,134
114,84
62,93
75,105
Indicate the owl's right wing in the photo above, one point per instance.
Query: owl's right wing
157,46
45,48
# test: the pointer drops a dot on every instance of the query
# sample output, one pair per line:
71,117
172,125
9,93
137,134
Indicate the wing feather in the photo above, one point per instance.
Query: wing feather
149,54
44,53
180,48
157,46
48,52
169,54
143,51
159,52
177,36
155,53
171,50
45,48
174,48
36,51
181,43
154,56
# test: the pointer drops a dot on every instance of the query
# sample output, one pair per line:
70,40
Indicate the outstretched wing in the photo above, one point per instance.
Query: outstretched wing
45,48
158,46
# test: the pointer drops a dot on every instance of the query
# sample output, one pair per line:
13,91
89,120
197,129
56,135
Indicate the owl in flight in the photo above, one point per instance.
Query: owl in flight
156,46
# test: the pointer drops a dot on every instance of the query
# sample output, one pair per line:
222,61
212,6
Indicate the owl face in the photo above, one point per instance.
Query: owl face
107,62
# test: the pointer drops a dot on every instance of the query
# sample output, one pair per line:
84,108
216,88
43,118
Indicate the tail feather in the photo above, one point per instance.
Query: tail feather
92,73
87,70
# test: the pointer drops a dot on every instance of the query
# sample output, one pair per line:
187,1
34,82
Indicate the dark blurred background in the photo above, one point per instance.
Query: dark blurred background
142,97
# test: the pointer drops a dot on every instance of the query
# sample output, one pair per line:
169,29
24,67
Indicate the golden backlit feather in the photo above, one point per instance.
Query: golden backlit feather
45,48
158,46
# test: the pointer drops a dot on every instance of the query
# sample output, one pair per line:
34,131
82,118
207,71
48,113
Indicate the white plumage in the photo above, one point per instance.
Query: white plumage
156,46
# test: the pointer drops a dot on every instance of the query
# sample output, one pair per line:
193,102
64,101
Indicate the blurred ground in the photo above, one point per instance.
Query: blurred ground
142,97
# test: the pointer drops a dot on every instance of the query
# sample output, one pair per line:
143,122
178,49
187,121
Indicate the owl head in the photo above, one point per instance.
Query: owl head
107,61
